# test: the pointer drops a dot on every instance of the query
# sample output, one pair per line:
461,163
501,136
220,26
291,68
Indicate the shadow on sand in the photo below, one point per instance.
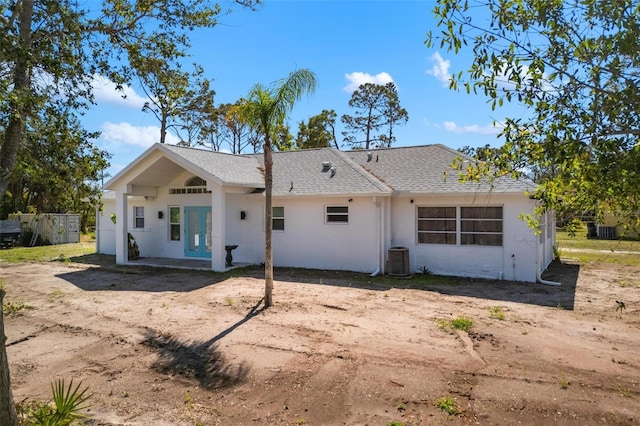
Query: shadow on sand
507,291
105,275
200,361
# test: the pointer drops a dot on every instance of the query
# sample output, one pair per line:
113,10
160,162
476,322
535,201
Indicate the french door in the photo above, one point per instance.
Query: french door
197,229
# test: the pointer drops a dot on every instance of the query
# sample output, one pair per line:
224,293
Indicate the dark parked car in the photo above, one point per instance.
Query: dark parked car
9,233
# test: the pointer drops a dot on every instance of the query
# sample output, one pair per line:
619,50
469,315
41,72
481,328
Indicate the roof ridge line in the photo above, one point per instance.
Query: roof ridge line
364,172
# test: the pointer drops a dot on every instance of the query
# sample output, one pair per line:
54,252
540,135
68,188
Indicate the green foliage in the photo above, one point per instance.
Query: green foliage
574,65
377,108
47,253
265,110
226,127
9,308
449,405
496,312
318,132
27,236
462,323
424,270
48,160
66,406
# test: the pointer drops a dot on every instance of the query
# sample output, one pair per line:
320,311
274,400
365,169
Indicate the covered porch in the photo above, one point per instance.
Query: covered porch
192,264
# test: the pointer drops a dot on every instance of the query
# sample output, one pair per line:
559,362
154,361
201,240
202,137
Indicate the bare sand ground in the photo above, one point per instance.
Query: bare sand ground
170,347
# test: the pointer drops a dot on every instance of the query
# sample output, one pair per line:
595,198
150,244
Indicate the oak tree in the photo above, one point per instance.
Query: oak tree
575,65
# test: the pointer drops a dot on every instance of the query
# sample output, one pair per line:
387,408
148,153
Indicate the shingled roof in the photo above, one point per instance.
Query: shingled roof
427,170
327,171
229,168
322,171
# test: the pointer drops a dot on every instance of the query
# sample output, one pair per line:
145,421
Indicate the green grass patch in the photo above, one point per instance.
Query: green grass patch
580,241
47,253
496,312
618,259
462,323
10,308
449,405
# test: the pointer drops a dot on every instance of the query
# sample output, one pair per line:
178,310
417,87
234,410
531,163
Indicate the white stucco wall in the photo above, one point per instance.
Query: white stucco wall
309,242
515,260
106,229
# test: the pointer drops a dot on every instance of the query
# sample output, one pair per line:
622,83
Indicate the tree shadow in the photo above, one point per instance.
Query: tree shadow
200,361
140,278
147,278
499,290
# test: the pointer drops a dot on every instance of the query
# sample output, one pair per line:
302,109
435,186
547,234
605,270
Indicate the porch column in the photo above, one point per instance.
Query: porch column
218,208
122,246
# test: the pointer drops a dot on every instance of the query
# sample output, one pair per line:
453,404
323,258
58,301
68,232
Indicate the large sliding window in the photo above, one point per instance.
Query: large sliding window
437,225
480,226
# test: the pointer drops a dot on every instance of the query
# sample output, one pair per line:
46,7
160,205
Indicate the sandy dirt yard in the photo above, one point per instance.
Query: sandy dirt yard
171,347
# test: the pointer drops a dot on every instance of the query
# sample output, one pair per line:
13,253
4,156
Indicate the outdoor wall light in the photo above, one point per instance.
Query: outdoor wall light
243,215
160,214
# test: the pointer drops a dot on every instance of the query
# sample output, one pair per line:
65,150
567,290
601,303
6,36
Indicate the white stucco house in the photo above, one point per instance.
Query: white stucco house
391,210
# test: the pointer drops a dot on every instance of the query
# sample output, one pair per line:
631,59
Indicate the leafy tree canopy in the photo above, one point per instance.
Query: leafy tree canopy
575,64
376,107
265,109
318,132
51,51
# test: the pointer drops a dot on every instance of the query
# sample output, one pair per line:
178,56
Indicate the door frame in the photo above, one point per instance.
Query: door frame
201,232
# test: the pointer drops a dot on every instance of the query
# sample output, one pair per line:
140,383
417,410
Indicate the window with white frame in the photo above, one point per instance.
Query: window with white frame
174,223
480,226
277,218
138,217
337,214
437,225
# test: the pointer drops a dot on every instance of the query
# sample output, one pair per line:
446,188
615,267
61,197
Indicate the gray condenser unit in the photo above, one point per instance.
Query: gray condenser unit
398,261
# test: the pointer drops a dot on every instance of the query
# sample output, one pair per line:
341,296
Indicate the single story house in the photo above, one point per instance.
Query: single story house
397,210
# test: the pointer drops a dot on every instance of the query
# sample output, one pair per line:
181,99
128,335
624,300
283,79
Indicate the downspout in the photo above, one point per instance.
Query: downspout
378,233
539,279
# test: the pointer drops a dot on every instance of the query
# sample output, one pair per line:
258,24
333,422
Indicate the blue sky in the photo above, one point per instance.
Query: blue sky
345,43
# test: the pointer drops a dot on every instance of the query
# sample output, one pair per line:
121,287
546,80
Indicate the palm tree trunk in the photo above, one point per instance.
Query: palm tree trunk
8,415
268,261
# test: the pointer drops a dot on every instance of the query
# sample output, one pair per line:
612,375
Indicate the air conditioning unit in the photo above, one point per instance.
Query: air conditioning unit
398,261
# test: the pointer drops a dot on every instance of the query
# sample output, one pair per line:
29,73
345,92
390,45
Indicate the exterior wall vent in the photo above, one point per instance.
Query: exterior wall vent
398,261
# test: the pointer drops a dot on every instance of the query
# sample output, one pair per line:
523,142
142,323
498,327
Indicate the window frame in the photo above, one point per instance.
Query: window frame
464,232
448,220
172,223
329,217
275,218
479,235
138,219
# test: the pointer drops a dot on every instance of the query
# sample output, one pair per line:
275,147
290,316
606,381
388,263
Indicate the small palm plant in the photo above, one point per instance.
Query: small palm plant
65,407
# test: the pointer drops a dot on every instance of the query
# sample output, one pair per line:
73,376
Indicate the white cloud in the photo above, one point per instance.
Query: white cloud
440,69
490,129
126,134
357,78
105,91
